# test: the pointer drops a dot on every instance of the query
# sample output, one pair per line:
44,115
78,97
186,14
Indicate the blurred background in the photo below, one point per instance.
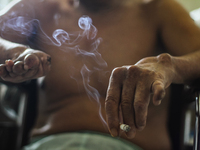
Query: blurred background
188,4
3,3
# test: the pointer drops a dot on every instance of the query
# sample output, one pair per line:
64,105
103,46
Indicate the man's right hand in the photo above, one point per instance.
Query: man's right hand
30,64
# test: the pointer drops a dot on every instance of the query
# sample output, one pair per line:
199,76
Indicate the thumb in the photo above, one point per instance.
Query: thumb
158,92
31,61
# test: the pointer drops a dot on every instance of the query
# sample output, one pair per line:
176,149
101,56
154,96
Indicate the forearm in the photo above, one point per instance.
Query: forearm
187,68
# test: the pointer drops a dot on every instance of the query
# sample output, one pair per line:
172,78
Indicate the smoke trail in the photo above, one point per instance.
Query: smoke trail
66,42
90,31
91,91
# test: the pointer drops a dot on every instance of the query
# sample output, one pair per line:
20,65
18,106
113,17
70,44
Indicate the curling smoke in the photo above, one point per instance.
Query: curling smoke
91,91
66,42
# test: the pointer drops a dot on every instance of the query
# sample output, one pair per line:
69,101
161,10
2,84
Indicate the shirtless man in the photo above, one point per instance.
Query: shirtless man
129,32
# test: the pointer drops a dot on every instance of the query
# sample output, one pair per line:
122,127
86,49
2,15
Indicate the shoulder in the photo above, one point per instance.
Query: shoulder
163,10
159,4
166,13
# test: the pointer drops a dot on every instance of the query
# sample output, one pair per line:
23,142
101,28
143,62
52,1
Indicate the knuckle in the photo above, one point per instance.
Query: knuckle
126,102
126,105
141,124
31,57
140,106
140,73
110,104
111,101
164,58
133,71
158,85
118,72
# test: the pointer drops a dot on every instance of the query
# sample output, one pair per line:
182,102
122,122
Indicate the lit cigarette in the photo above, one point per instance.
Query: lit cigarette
125,127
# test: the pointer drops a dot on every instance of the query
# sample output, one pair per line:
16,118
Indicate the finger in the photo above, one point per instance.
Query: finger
40,70
12,75
31,61
141,103
3,71
112,100
30,74
43,68
8,76
128,93
16,79
46,64
9,65
158,92
18,68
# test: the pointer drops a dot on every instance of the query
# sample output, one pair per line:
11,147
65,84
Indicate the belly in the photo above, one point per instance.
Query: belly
74,113
79,112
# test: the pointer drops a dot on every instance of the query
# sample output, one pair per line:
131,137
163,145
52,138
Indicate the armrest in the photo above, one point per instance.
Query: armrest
192,118
13,127
197,123
12,118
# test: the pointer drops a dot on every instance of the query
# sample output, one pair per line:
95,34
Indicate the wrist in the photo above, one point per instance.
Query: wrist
10,50
166,63
182,70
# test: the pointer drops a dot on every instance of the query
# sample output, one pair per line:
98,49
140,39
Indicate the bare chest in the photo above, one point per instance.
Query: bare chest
86,47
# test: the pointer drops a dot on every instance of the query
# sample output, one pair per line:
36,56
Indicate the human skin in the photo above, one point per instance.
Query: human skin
21,63
130,31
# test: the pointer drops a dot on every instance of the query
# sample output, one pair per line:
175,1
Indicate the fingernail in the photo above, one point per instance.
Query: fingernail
131,134
114,132
26,67
7,61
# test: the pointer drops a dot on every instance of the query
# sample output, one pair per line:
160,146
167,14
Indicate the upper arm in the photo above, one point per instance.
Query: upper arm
17,21
178,31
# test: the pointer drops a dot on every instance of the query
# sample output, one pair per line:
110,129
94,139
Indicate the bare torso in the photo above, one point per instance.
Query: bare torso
128,34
